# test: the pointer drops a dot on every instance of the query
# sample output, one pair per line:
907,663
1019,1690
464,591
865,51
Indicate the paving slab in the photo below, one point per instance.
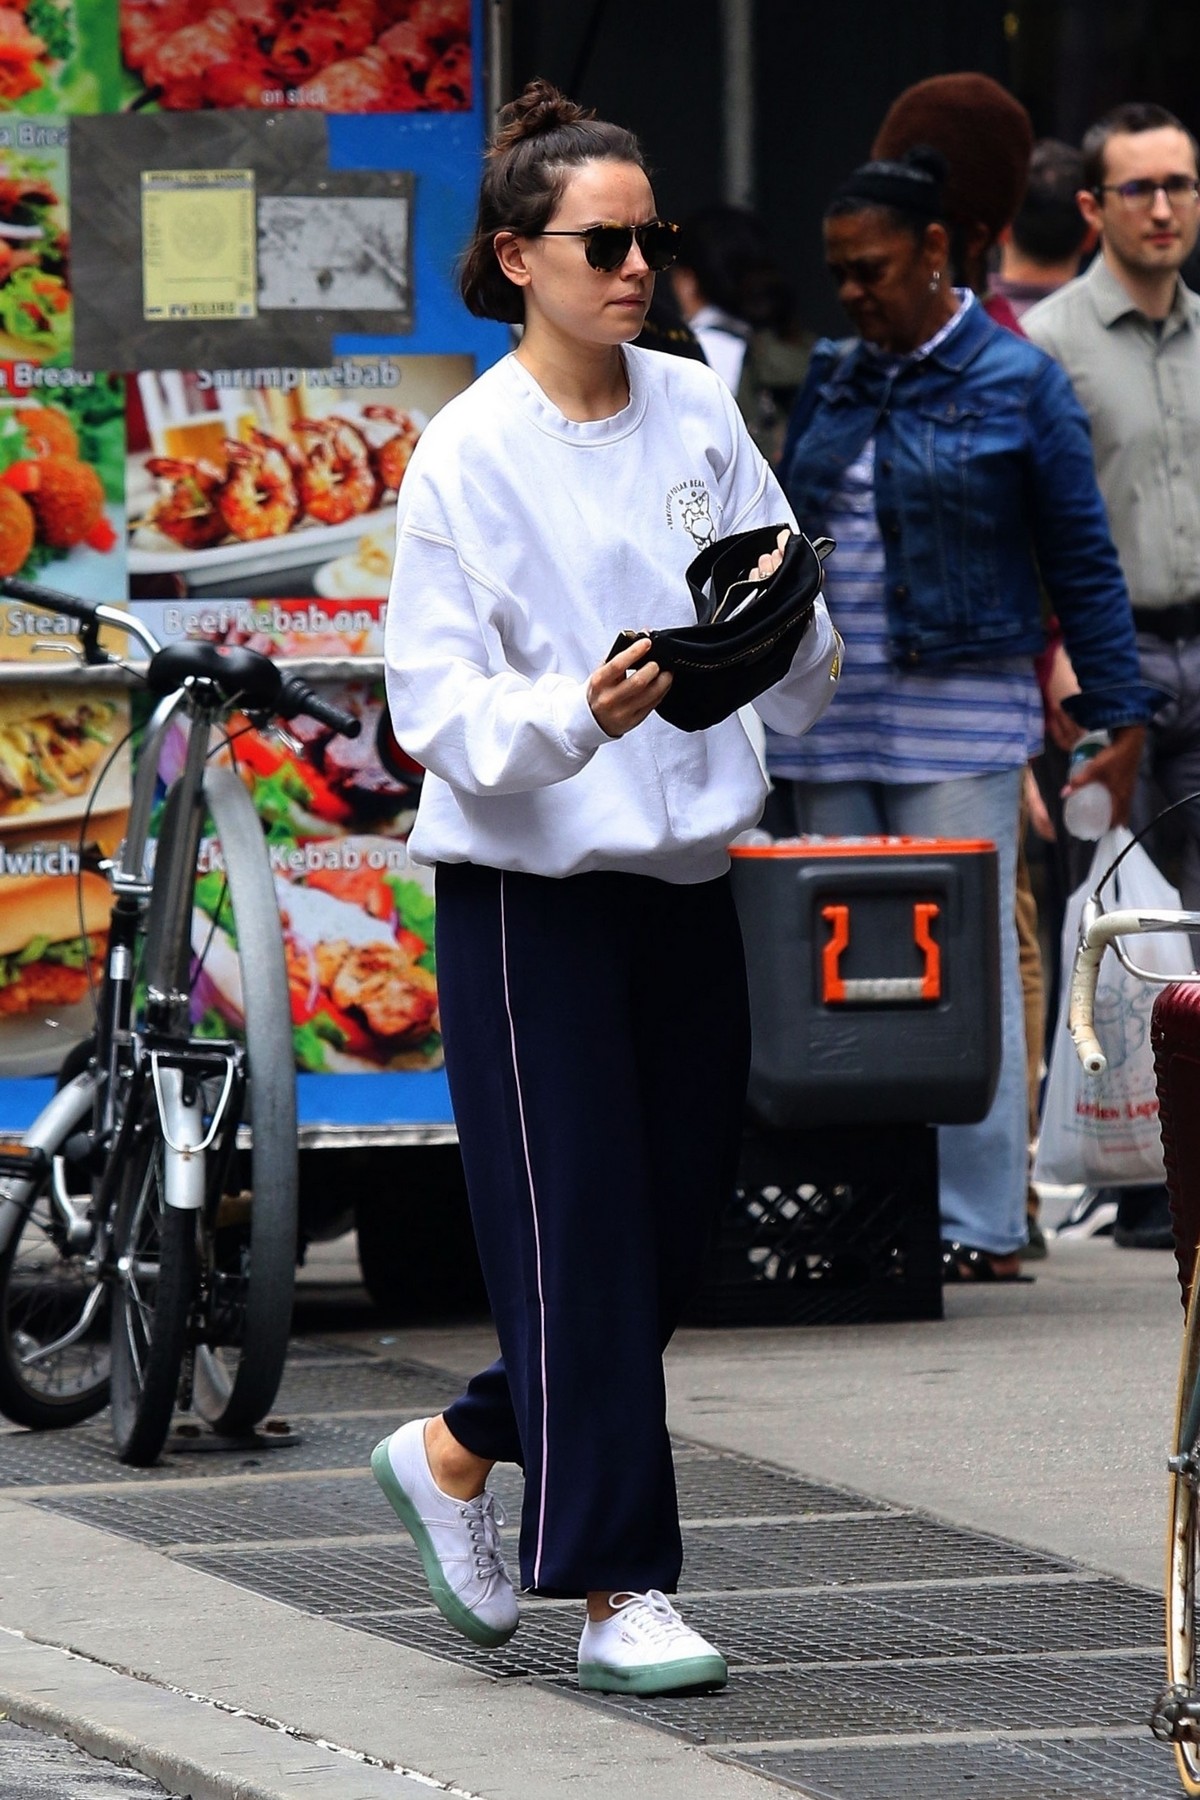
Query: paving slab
192,1748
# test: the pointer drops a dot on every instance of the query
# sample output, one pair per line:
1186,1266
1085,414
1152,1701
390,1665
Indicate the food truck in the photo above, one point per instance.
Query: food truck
227,312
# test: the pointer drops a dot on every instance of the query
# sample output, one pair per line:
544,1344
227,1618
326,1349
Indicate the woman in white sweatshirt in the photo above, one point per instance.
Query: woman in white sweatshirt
591,978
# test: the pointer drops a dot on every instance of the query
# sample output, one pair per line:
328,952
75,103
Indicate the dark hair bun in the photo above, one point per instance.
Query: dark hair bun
927,160
541,107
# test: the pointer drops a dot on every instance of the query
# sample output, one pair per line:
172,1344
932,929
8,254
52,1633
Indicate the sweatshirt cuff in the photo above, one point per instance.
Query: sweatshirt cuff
577,724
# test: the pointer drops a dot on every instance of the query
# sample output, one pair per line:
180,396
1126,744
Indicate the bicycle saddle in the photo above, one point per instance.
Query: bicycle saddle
237,671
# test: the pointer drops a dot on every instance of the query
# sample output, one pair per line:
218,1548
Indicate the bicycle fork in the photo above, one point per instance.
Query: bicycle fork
176,1074
1176,1717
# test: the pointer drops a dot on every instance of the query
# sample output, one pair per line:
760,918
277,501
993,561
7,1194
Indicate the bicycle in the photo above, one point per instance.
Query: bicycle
1175,1718
134,1211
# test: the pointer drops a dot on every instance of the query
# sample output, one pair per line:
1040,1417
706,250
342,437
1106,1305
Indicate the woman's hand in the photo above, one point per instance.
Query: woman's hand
770,560
1117,768
621,696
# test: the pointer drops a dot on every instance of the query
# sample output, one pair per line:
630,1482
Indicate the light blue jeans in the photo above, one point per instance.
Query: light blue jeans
984,1167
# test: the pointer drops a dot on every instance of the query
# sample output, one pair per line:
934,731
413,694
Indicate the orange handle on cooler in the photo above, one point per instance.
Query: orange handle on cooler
837,991
833,988
924,913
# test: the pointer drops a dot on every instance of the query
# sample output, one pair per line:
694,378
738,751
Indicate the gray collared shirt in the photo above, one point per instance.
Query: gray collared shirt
1141,391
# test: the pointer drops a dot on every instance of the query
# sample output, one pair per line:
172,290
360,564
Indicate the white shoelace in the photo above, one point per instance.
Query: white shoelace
651,1615
483,1518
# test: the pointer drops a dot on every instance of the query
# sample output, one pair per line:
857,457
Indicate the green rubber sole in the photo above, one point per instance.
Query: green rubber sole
445,1599
655,1678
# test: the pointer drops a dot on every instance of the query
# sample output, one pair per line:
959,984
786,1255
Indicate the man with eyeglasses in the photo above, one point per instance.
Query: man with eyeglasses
1128,334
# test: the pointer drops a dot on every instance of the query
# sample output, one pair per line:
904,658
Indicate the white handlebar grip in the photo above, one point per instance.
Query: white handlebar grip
1082,1008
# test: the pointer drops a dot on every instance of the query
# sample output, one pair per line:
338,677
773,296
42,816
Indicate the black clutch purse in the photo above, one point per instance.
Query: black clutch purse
747,632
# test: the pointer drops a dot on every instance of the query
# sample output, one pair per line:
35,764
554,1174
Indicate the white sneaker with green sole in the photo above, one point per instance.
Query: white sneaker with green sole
458,1540
645,1648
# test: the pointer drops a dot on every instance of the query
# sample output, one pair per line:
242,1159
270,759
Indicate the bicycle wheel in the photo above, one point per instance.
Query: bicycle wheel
154,1285
1183,1537
252,1228
54,1356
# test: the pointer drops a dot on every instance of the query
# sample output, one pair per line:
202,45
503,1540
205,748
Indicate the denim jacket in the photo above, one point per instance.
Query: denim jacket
986,493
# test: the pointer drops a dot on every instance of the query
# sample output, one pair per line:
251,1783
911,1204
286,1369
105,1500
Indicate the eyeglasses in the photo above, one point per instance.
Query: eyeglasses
607,246
1179,189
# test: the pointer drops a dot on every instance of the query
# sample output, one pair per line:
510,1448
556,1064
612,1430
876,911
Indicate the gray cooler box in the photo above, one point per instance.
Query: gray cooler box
874,969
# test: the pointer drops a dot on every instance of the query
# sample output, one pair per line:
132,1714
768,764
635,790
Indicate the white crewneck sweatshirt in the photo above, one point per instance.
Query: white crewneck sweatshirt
526,542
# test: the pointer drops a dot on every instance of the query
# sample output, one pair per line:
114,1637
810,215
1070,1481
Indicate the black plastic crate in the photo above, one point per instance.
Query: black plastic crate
828,1227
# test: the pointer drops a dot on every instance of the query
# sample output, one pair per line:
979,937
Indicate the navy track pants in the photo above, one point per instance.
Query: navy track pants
597,1044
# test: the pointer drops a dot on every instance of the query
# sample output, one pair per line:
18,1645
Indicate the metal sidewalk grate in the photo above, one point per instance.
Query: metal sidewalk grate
272,1511
365,1386
824,1629
975,1694
544,1647
1042,1769
846,1552
85,1455
332,1581
1092,1615
716,1486
734,1487
875,1653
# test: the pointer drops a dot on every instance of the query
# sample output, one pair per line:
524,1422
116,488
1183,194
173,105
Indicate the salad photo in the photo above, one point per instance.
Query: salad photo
35,293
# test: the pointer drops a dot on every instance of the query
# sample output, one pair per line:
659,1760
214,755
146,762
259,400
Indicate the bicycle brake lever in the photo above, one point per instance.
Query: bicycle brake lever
58,647
285,737
87,651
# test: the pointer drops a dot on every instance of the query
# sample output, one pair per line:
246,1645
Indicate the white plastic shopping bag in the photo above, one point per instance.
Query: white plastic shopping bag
1102,1130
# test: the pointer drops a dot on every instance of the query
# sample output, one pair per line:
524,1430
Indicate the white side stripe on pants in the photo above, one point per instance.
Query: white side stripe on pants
537,1236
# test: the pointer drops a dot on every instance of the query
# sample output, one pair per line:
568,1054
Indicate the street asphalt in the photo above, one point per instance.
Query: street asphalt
1039,1412
35,1766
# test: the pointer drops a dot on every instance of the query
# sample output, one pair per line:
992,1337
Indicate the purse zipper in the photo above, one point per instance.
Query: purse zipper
726,662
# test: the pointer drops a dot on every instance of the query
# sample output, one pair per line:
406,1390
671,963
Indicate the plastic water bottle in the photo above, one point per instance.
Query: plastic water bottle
1087,811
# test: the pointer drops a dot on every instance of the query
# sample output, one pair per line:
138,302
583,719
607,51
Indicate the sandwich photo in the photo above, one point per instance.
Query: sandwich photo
52,742
46,951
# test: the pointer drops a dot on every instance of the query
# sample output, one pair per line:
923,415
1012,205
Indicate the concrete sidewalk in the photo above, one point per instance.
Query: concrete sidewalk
1038,1412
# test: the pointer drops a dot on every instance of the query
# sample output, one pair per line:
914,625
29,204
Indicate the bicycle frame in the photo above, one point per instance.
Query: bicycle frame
122,1179
121,1055
1175,1716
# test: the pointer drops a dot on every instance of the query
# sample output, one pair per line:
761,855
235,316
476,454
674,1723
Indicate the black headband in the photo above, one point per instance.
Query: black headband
902,185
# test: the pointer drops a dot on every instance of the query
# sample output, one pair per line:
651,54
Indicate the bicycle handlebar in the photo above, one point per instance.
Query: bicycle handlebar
296,696
90,614
1097,931
50,598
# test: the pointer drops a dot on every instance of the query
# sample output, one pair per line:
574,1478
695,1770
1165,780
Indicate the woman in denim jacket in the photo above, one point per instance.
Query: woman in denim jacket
952,462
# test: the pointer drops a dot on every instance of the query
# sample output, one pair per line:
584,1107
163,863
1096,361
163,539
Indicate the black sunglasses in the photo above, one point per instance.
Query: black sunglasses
607,246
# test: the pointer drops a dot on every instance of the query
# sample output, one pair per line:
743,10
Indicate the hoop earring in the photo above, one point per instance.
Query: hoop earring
935,281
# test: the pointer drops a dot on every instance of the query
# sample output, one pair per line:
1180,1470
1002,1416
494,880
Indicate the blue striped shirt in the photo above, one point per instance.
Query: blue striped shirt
888,724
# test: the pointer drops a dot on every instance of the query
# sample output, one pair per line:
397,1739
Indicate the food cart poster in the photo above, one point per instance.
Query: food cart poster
439,154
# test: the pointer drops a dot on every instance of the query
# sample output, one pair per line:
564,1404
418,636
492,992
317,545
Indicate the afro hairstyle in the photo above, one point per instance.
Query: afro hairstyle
985,135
